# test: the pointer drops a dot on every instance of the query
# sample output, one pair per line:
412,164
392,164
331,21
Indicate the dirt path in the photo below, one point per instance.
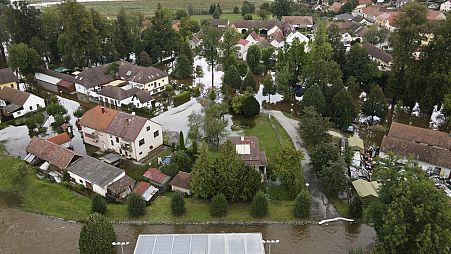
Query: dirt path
322,208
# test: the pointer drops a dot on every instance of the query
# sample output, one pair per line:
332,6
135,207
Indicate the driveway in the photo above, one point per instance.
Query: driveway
322,208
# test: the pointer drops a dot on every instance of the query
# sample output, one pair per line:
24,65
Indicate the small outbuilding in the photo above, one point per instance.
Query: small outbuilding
157,178
146,191
367,191
181,183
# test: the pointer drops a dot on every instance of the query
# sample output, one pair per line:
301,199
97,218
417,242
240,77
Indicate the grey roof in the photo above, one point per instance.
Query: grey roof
95,171
118,93
126,126
377,53
143,96
58,75
7,76
344,16
234,243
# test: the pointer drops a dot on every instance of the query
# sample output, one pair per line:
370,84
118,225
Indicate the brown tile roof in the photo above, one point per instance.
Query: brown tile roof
155,175
336,6
95,76
56,155
139,74
14,96
121,185
60,139
143,96
181,180
377,53
434,15
118,93
255,157
141,187
421,152
298,20
259,24
278,36
126,126
367,2
98,118
420,135
7,76
66,84
372,10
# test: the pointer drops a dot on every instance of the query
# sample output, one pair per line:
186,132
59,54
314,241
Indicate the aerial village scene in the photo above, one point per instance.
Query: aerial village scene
225,126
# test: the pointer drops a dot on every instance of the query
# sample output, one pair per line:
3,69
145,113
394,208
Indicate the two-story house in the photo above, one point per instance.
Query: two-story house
8,78
126,134
15,103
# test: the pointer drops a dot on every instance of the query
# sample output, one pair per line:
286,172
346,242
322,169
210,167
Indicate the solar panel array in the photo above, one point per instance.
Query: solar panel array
235,243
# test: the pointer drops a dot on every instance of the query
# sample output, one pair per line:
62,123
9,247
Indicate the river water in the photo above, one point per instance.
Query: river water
22,232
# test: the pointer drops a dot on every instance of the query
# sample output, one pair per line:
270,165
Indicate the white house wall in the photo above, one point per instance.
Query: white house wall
149,140
101,142
46,78
33,103
81,89
181,190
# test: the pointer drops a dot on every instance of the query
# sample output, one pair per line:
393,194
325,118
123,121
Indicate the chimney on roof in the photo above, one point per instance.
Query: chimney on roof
103,110
242,139
133,113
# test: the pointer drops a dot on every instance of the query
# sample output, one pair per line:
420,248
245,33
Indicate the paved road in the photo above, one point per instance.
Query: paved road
322,208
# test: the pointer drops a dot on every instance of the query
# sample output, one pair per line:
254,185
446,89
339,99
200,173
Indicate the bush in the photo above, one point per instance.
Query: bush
136,205
302,205
247,17
218,206
96,235
181,98
251,107
259,205
79,112
98,204
355,210
177,204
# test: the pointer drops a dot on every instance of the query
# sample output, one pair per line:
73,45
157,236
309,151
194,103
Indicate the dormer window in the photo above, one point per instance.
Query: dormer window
128,73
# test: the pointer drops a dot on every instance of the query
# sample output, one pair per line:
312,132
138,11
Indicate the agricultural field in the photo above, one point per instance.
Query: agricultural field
147,7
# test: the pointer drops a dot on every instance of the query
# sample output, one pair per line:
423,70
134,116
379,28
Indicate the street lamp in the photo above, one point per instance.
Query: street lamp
120,244
270,242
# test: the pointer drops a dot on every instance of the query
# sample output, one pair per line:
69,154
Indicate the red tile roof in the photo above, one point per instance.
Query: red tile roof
181,180
60,138
98,118
54,154
141,187
243,42
255,157
155,175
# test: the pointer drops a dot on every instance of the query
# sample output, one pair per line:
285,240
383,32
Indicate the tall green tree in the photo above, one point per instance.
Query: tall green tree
375,104
23,59
283,86
247,8
287,165
314,97
281,8
136,205
96,236
21,21
232,77
335,39
214,124
266,58
50,33
411,215
313,127
253,57
343,109
322,155
210,49
203,181
333,178
249,82
126,32
228,48
259,205
183,67
376,35
218,206
360,66
268,87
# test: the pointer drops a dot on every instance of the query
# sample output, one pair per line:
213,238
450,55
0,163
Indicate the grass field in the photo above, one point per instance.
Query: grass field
42,197
147,7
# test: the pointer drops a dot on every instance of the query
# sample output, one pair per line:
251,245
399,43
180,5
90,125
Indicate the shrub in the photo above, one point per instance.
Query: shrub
177,204
355,210
98,204
181,98
79,112
218,206
259,206
302,205
251,107
136,205
96,235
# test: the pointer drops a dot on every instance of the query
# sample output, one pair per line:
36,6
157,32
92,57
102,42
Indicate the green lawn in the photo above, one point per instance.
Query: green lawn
271,140
42,197
147,7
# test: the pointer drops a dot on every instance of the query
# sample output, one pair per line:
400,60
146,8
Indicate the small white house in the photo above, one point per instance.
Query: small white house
242,47
296,35
17,103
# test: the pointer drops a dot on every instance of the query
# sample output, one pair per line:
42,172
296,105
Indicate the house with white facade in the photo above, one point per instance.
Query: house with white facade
430,149
446,6
299,36
262,27
242,47
55,81
297,22
121,96
131,136
15,103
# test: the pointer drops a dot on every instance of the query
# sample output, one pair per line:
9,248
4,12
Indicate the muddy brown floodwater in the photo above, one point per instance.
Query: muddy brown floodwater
22,232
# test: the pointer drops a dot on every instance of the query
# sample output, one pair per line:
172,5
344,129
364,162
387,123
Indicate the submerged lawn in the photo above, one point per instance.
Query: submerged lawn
42,197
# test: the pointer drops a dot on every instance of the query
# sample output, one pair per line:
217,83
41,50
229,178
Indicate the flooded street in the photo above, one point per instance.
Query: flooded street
22,232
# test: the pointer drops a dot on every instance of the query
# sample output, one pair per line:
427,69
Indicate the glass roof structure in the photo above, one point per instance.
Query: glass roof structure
235,243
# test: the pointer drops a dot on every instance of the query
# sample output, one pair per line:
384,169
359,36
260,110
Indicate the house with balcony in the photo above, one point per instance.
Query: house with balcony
131,136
